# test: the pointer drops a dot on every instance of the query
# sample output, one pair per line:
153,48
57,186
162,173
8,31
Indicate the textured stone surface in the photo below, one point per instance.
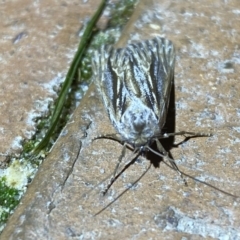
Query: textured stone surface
58,204
37,43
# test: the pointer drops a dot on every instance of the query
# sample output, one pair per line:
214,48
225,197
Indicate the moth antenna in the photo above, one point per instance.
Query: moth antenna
203,182
184,133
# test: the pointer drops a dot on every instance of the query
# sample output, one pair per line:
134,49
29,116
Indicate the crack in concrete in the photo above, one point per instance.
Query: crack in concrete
51,205
79,150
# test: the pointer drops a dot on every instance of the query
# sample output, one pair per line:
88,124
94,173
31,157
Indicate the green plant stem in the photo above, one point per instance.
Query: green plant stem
69,78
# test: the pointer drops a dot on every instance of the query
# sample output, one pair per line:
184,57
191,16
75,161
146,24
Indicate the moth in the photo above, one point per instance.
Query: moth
135,84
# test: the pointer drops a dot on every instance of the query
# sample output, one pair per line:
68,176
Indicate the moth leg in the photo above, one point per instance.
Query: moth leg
115,176
172,162
120,159
190,134
137,180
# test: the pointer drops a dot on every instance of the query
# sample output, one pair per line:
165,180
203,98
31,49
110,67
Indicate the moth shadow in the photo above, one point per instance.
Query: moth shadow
169,127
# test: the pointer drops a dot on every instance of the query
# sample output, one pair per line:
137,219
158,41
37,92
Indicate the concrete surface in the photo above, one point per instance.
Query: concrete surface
58,204
37,42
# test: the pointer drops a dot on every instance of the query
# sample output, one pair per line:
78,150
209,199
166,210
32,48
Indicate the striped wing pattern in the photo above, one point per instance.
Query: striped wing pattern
135,84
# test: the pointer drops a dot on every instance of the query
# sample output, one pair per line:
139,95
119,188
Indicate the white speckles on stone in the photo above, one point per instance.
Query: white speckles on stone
31,118
196,225
2,130
236,11
155,27
214,53
238,112
50,86
66,156
17,143
187,14
134,37
234,141
237,129
43,105
221,114
216,19
225,150
64,132
203,228
181,105
113,222
199,51
210,100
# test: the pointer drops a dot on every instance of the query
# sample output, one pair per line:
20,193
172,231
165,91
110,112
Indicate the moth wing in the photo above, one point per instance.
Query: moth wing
149,71
108,73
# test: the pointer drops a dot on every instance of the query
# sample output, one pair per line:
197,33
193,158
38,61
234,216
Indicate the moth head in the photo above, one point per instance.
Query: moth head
138,125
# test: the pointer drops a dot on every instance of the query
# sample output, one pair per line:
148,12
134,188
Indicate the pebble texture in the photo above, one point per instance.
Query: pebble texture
59,203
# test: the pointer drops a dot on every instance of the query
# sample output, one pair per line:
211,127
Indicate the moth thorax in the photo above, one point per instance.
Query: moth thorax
138,124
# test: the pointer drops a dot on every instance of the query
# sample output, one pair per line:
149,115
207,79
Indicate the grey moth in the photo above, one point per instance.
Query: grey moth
135,84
